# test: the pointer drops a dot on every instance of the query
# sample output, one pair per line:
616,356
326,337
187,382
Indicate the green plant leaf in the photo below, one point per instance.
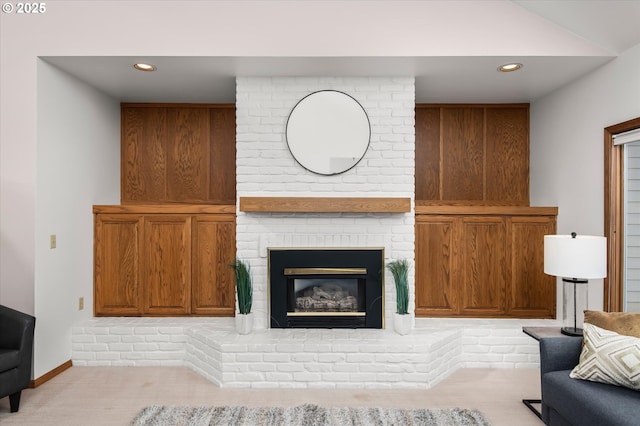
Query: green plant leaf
244,285
400,271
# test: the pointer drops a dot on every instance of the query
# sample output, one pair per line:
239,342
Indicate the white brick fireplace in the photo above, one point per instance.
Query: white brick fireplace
265,167
329,358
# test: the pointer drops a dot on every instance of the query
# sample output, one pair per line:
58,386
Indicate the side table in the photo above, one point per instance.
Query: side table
538,333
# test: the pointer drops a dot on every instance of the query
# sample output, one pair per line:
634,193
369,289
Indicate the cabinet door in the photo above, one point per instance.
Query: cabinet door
117,243
144,154
223,155
188,154
167,264
507,155
484,263
462,154
532,292
213,279
427,154
436,293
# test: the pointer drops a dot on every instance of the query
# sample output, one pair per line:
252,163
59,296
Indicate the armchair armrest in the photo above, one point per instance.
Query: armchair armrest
16,329
559,353
16,334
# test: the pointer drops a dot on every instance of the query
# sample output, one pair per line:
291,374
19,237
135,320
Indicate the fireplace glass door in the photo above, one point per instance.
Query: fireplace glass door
326,288
315,291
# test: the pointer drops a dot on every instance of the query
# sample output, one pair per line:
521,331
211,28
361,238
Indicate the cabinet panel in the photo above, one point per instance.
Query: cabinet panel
435,292
427,154
213,289
507,143
475,265
178,153
143,146
532,291
462,156
223,155
167,264
117,264
188,154
472,154
484,262
171,263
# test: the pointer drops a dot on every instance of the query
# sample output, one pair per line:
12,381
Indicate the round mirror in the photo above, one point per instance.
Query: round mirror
328,132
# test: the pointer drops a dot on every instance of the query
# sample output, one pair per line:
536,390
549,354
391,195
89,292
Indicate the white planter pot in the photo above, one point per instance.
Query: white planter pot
244,323
402,324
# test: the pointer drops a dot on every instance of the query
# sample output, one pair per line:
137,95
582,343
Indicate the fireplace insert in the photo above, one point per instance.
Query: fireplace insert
326,288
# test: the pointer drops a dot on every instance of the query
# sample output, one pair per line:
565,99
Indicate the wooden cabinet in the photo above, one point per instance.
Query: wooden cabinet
532,293
483,265
479,247
214,248
472,154
117,247
178,153
164,260
487,262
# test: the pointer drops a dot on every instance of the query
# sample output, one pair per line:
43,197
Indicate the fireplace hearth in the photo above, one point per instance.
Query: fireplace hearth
326,288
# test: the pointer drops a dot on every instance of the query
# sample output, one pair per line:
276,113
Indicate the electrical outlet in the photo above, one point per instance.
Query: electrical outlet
81,303
52,241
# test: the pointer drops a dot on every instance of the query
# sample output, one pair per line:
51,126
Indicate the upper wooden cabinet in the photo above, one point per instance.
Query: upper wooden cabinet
472,154
178,153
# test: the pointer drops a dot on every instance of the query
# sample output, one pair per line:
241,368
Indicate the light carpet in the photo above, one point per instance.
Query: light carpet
306,415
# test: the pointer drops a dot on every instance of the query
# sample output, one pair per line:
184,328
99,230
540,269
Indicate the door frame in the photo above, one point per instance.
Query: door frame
613,211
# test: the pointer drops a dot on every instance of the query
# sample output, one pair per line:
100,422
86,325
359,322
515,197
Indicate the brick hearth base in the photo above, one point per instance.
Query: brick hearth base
305,358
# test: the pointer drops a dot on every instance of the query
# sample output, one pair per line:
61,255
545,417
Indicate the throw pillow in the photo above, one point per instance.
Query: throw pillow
609,357
620,322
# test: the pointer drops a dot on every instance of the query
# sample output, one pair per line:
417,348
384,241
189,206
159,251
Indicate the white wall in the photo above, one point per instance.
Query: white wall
78,163
567,146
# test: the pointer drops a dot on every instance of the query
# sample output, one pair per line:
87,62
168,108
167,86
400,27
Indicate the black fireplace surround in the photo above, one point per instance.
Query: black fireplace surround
326,288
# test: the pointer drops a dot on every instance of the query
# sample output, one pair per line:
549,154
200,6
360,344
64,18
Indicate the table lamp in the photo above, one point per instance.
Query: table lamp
575,258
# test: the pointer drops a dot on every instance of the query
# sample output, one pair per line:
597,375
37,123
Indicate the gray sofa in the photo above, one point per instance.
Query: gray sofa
567,401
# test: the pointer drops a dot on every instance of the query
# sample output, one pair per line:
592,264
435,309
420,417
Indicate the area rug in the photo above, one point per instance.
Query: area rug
306,415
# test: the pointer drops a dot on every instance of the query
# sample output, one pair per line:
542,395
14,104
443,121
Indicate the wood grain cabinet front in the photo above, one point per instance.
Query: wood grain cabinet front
164,264
117,266
178,153
471,154
483,266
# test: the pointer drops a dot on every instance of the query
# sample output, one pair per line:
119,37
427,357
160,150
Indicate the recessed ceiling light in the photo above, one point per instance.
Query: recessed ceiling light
144,67
509,67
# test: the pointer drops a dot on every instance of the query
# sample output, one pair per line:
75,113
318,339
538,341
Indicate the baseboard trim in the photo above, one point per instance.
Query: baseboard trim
50,375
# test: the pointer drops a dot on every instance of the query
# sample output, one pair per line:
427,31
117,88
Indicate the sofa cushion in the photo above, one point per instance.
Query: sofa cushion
9,358
590,403
609,357
621,322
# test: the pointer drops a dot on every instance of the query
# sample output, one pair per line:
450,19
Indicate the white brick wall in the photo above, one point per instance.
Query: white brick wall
293,358
265,167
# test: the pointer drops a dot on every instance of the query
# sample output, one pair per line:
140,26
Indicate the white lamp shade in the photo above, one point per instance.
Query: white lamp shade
584,256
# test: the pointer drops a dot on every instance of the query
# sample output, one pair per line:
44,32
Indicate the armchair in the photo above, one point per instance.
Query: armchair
16,353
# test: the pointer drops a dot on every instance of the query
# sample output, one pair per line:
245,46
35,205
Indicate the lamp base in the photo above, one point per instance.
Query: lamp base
571,331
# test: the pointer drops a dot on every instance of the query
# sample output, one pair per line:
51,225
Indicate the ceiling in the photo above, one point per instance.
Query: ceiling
610,26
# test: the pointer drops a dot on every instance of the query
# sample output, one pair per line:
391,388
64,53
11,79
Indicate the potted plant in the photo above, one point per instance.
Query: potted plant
402,320
244,290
